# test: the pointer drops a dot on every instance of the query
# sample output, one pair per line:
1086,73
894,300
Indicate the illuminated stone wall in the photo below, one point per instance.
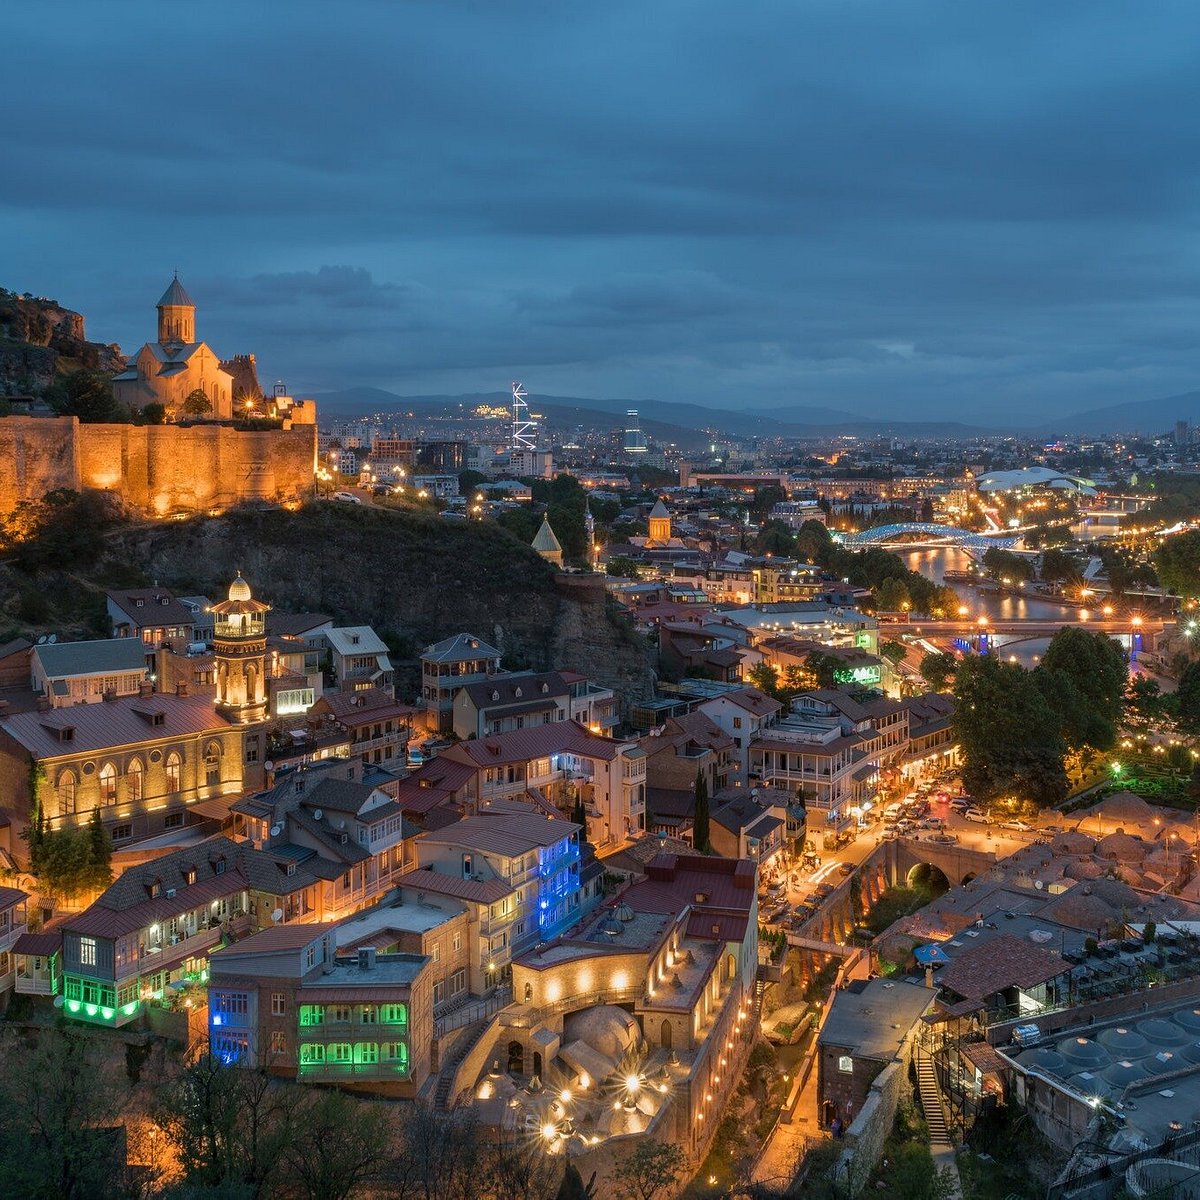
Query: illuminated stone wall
158,470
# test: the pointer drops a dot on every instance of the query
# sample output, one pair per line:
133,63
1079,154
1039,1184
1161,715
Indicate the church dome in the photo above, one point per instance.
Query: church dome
175,296
239,589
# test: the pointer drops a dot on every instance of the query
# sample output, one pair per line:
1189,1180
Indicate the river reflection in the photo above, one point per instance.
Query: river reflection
934,563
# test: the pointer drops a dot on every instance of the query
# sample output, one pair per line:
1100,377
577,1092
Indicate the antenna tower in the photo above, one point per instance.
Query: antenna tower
524,429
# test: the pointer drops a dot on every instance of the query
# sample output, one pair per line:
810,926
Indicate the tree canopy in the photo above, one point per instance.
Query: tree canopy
1178,563
87,395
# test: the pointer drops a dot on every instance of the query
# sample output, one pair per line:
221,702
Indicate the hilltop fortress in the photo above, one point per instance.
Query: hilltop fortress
168,469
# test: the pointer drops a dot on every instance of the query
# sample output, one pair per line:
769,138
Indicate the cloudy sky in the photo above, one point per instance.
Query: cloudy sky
893,207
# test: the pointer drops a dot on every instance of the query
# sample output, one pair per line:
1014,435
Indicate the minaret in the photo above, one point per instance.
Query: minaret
589,524
176,315
240,646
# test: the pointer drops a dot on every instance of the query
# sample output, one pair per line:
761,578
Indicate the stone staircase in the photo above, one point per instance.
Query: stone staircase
461,1048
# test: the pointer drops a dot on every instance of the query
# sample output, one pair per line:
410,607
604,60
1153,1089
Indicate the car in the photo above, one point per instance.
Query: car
980,818
934,823
846,868
347,498
961,804
1019,825
381,489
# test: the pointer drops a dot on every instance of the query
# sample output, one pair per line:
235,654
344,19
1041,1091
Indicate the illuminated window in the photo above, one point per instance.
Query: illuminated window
846,1064
278,1041
311,1052
133,781
87,951
108,784
312,1014
366,1053
394,1014
67,783
172,772
395,1053
367,1015
338,1052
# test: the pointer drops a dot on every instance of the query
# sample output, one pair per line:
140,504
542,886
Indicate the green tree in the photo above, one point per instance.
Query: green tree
336,1147
59,1116
1003,564
936,667
99,852
651,1168
894,652
893,595
469,480
700,830
1187,696
1057,566
1178,563
1096,665
154,413
1010,740
622,567
764,677
87,395
823,668
195,404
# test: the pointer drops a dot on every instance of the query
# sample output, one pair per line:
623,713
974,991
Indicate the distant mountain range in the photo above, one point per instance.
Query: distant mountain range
689,424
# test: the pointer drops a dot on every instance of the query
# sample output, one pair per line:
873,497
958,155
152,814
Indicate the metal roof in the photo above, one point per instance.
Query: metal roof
101,657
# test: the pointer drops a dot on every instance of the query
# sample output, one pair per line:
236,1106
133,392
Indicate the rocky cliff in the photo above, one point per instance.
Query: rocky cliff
40,339
415,578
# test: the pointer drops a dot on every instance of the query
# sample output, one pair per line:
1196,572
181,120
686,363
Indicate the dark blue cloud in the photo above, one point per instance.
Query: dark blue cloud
919,208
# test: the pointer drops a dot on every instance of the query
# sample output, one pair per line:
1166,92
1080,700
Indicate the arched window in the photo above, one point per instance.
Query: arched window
172,769
67,783
664,1037
730,966
108,784
212,764
133,781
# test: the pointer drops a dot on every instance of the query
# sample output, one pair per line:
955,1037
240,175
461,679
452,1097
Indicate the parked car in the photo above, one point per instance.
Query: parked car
1017,824
846,868
980,818
935,823
960,804
347,498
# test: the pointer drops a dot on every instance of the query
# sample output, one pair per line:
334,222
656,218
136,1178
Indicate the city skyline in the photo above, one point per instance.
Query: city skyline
903,213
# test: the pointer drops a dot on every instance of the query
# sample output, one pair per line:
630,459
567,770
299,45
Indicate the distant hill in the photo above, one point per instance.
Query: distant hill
39,340
667,420
1137,416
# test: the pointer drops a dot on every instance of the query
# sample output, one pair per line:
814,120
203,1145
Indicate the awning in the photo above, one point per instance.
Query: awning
215,809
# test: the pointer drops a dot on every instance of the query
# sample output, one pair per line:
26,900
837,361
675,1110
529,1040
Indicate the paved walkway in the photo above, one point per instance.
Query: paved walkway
781,1156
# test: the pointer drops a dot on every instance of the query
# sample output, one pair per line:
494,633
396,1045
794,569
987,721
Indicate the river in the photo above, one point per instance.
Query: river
934,563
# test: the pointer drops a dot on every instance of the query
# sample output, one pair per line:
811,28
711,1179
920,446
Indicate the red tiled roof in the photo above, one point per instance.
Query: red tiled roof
674,881
484,891
363,708
278,937
999,963
721,927
510,833
751,699
523,744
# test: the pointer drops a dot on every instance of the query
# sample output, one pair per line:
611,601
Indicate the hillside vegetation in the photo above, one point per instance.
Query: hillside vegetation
414,577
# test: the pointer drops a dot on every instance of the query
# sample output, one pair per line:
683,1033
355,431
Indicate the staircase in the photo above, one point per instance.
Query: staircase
460,1050
931,1102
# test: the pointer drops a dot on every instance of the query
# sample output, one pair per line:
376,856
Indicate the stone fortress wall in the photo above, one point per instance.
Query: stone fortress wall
158,470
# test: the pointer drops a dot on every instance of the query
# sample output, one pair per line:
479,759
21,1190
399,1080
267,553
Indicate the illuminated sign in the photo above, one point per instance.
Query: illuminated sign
858,675
862,641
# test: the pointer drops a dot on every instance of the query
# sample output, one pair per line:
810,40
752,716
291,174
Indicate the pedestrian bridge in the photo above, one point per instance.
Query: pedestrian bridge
927,533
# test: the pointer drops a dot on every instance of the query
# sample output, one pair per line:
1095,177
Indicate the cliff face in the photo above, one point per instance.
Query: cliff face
40,339
415,578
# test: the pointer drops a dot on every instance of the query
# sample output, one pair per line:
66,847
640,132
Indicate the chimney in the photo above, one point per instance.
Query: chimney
110,697
366,958
43,702
181,688
145,688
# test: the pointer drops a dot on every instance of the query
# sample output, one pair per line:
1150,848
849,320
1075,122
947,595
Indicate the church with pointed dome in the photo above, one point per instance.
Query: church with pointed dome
167,371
